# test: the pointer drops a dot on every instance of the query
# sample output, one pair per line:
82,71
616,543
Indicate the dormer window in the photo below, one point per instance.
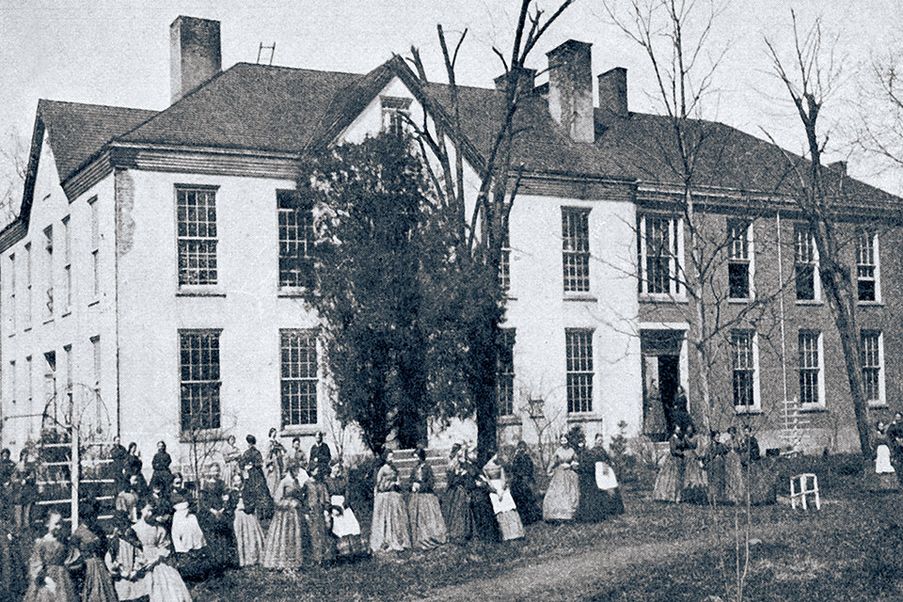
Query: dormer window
396,114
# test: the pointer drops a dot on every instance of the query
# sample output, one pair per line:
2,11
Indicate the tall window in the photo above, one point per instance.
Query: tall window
50,398
29,383
660,246
13,392
872,356
505,375
575,249
67,368
95,246
810,368
299,377
396,112
95,356
579,351
744,364
199,371
806,265
48,267
196,213
67,265
27,285
867,266
295,239
11,315
505,257
739,262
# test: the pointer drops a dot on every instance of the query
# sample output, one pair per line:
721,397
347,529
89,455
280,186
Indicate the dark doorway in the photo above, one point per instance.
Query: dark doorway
661,382
669,377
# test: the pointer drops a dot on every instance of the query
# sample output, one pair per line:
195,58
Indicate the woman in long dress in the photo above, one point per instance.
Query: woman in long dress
734,487
275,461
883,469
161,464
390,531
26,490
91,543
523,485
669,482
124,560
13,573
48,568
345,527
600,496
563,495
696,485
317,509
456,502
164,584
427,524
714,467
127,499
231,460
282,548
503,505
134,466
485,526
215,518
192,554
248,534
256,493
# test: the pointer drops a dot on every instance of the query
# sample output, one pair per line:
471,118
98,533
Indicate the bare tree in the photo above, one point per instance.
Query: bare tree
810,76
479,237
13,167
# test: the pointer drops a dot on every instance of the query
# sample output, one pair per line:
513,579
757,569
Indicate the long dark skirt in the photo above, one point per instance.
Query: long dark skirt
525,500
595,504
257,495
458,515
715,473
485,527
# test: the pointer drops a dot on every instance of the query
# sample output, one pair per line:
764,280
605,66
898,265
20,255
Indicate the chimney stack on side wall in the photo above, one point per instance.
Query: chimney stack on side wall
613,91
195,54
571,89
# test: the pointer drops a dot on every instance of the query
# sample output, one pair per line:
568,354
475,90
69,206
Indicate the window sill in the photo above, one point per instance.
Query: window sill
578,297
299,430
653,298
68,312
26,329
509,420
583,417
749,412
813,409
812,302
48,321
877,405
94,302
203,435
200,292
292,293
746,301
870,303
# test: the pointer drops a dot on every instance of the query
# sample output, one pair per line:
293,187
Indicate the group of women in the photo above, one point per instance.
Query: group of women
723,469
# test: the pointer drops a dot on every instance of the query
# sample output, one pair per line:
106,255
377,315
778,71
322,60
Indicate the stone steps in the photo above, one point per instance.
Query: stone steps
406,461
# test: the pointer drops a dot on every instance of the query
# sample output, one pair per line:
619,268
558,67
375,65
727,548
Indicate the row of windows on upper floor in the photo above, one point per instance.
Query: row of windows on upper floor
660,258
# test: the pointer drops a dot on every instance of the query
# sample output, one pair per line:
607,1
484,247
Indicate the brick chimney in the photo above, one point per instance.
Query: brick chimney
194,54
525,81
571,89
613,91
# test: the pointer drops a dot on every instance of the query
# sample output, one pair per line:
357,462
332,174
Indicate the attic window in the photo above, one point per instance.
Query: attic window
396,113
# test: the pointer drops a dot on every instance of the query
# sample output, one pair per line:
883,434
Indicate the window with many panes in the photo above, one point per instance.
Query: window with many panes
867,281
295,240
199,373
810,368
739,259
806,265
659,248
67,264
505,257
505,373
95,246
299,377
579,353
50,398
396,112
48,270
29,382
872,356
575,249
196,214
744,364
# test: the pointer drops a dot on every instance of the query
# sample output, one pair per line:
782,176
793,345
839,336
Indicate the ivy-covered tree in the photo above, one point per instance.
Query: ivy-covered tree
367,201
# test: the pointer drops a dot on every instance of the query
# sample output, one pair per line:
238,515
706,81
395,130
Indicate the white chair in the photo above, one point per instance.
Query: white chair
800,489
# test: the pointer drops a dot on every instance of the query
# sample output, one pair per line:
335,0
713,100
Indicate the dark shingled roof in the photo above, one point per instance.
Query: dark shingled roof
78,131
287,110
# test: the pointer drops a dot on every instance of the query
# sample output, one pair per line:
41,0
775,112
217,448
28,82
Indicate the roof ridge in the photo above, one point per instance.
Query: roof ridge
92,104
287,68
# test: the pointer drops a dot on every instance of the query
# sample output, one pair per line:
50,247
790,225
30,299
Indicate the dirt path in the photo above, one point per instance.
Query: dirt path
569,578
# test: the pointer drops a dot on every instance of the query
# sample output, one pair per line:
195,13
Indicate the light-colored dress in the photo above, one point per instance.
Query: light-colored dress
275,465
696,481
126,564
231,461
563,495
390,530
186,533
283,546
734,486
502,503
669,482
427,524
345,525
50,557
164,584
248,534
127,501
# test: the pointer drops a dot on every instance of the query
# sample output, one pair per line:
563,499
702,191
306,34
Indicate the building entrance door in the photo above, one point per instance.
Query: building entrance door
661,381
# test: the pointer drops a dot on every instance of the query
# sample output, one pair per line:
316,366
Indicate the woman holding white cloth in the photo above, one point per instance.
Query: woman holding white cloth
502,503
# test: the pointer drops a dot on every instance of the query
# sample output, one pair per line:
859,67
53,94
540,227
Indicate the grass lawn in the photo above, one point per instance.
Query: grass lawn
851,550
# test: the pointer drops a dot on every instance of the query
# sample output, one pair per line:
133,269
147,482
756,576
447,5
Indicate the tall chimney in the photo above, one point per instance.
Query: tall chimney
525,81
613,91
571,89
194,54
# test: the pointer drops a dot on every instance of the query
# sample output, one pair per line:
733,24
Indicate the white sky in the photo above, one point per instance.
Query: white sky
117,52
